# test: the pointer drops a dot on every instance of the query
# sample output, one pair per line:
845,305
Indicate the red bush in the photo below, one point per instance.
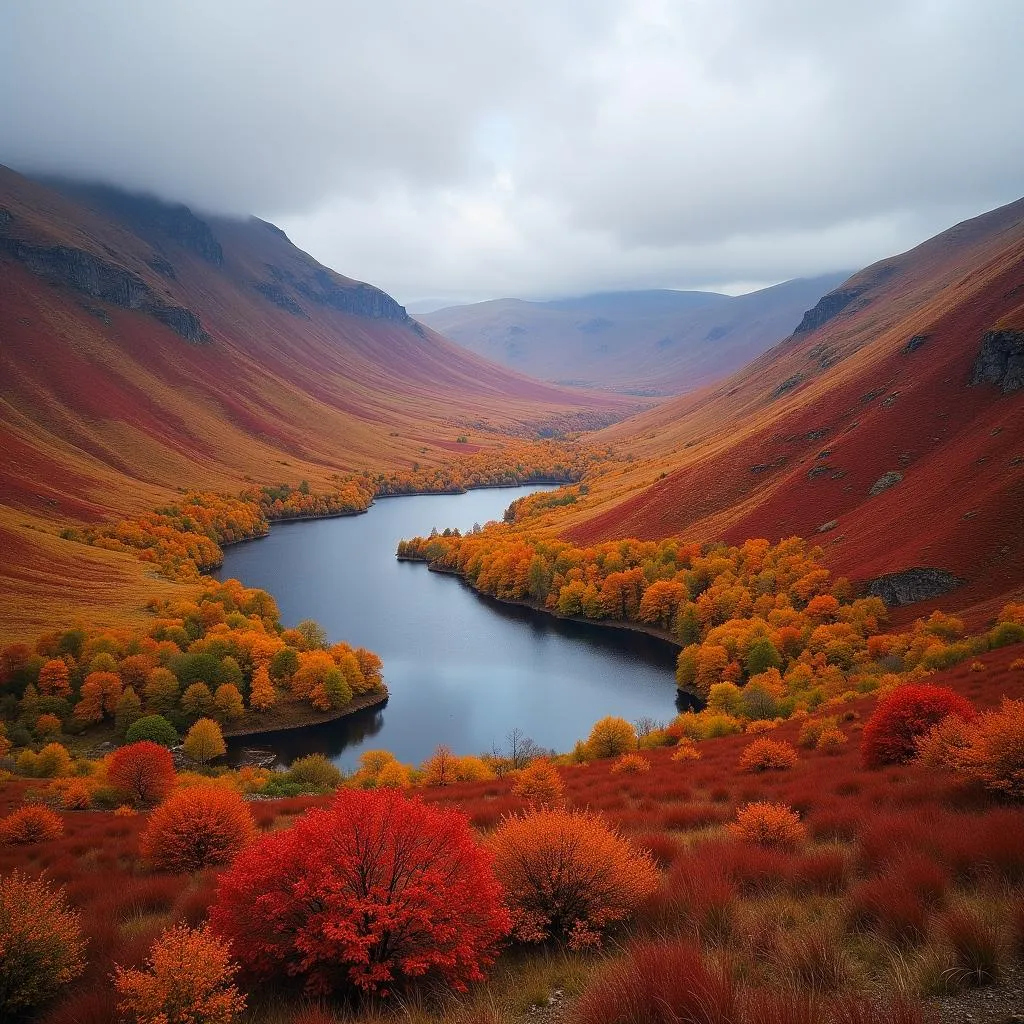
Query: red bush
143,771
374,892
902,716
197,827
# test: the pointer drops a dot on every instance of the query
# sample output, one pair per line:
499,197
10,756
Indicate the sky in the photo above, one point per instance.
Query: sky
471,149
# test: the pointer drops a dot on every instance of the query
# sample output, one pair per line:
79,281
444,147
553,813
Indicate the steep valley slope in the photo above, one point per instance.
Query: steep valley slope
146,350
889,428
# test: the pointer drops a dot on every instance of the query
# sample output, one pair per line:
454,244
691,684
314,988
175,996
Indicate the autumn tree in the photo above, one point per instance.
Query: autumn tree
152,727
188,978
610,737
197,827
197,701
32,823
374,893
539,782
55,678
902,716
100,693
227,703
283,665
161,691
143,771
40,942
128,710
262,695
568,875
204,741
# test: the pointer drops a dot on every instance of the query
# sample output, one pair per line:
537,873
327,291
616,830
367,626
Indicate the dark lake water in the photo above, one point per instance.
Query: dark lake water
462,668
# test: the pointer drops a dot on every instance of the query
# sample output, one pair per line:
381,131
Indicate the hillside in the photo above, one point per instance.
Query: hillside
650,342
909,375
146,349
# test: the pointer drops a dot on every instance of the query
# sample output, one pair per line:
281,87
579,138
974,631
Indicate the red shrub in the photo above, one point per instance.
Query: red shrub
196,828
902,716
143,771
376,891
884,905
695,895
31,824
975,945
658,983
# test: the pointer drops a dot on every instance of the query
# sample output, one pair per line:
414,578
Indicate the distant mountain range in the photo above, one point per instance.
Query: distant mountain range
658,342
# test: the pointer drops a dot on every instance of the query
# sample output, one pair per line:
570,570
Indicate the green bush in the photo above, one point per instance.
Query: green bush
314,772
1006,633
155,728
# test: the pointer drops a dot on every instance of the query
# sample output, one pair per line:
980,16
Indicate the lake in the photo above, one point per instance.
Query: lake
462,668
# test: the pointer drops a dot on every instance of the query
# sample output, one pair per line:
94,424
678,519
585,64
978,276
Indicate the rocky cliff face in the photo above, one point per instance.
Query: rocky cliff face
326,289
87,273
828,307
913,585
1001,360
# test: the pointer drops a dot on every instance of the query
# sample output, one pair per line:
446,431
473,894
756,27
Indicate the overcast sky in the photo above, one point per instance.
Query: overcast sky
468,149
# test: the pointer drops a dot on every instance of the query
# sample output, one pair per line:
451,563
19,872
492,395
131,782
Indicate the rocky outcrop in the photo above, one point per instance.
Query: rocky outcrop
885,481
787,385
326,289
87,273
915,343
275,293
1001,360
913,585
5,218
153,219
828,307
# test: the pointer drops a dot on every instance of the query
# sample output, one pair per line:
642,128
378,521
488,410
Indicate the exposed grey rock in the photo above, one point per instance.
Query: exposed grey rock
815,471
87,273
787,385
816,435
163,267
361,299
5,218
912,585
884,482
915,343
1001,360
830,525
828,306
275,293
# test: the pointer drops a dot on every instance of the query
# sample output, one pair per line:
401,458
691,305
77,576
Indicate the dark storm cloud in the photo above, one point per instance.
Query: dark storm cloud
464,149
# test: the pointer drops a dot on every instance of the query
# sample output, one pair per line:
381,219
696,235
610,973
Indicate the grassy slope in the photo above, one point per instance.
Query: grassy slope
733,461
106,411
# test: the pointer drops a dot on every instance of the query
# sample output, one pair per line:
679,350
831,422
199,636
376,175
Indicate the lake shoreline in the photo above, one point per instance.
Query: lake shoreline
632,627
375,698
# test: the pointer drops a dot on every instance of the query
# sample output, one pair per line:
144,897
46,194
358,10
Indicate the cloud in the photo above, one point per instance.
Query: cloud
464,150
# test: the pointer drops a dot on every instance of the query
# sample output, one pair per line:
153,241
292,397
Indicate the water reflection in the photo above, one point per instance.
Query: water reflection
463,669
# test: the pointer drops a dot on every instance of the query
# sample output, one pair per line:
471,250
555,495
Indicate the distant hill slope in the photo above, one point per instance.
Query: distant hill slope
147,349
654,342
889,427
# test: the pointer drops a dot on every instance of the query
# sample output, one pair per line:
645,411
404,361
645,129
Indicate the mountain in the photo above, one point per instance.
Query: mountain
647,342
146,349
889,427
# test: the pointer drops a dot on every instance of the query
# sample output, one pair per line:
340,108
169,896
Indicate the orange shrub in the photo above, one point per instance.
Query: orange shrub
768,824
189,977
568,875
831,741
31,824
631,764
41,944
539,782
143,771
686,750
196,828
764,755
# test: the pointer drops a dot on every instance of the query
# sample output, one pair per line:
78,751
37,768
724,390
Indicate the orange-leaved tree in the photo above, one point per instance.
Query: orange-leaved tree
189,977
196,828
143,771
568,875
373,893
539,782
204,741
